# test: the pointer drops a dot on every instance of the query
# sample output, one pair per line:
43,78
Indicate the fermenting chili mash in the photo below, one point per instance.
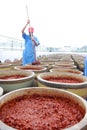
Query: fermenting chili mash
12,77
63,79
31,68
41,113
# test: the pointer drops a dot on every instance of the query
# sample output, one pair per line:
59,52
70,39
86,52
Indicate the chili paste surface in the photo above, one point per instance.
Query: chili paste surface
63,79
12,77
41,113
32,68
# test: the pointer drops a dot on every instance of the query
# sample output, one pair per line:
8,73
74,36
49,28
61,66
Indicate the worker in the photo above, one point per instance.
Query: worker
29,52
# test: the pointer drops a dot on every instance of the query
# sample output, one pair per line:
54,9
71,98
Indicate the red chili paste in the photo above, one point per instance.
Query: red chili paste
12,77
41,113
65,65
32,68
76,72
63,79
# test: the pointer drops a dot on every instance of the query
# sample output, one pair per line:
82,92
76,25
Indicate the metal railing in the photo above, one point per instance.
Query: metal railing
13,44
10,43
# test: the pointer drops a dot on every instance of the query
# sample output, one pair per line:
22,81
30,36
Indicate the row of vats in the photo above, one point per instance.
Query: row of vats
56,63
57,75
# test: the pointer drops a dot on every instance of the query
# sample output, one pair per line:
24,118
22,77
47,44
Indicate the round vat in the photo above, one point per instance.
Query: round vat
64,63
15,79
5,66
1,91
37,69
75,71
38,115
61,66
71,82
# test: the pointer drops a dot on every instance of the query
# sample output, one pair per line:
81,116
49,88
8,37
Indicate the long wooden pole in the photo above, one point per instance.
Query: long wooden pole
27,13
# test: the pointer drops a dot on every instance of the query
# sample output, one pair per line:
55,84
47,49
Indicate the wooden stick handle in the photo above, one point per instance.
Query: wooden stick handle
27,13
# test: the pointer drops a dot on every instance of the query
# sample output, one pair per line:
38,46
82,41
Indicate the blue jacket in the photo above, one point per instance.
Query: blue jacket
29,52
85,66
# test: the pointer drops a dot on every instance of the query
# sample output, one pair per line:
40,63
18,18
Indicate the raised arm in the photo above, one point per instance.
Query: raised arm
28,22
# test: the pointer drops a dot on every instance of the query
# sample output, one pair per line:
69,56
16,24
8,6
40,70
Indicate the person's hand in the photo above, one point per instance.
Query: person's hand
28,21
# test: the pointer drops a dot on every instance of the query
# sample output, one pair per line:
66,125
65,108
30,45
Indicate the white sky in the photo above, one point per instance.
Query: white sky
56,22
